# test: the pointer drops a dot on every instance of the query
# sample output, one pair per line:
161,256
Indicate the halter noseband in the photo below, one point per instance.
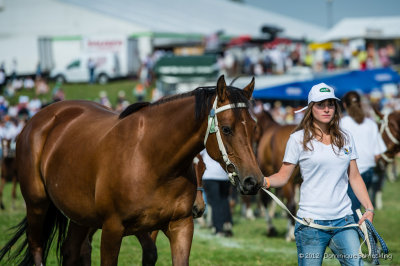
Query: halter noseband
385,128
212,127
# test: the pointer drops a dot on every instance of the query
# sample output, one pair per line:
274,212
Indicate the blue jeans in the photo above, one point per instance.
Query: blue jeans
355,203
311,243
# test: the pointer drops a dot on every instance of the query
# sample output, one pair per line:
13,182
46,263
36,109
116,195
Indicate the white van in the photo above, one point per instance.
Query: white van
107,67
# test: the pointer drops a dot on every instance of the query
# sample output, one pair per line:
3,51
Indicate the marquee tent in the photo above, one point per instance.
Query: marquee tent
364,28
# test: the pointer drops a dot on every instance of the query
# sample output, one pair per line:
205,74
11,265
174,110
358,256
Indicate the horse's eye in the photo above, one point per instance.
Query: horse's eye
226,130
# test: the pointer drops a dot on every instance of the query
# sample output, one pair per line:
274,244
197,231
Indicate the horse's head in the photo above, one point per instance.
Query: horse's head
230,134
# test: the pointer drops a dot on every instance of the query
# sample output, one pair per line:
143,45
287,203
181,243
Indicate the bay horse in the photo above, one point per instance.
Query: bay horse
270,153
389,127
81,162
8,170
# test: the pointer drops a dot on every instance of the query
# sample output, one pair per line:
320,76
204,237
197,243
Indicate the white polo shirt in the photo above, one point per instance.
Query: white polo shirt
213,171
367,139
323,193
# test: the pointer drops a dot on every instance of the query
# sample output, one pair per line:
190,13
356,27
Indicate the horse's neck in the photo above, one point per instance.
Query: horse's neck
173,133
267,121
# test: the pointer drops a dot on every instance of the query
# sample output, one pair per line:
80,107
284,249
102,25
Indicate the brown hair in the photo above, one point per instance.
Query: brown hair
310,131
352,104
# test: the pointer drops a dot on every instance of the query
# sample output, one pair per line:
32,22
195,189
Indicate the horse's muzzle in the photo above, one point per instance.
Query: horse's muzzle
250,186
197,212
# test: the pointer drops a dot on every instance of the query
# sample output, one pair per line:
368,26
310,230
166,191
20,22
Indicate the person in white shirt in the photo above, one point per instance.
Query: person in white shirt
217,186
327,159
368,141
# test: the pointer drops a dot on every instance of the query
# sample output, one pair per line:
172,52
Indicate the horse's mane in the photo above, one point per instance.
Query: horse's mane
203,97
133,108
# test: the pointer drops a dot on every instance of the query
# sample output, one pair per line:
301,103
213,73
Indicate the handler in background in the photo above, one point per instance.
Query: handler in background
217,187
368,141
327,159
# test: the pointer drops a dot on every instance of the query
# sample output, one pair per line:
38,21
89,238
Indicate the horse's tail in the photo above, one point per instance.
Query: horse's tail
55,222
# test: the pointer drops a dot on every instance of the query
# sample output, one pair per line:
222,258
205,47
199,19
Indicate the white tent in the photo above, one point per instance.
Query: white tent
200,16
364,28
23,22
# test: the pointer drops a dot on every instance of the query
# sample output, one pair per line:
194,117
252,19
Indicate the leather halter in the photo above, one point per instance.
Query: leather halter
212,127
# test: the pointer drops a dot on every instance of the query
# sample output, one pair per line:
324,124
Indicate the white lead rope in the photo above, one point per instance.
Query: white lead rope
305,222
323,227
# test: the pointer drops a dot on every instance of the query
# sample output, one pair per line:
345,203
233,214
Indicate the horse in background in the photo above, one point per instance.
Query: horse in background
83,165
389,127
8,170
270,153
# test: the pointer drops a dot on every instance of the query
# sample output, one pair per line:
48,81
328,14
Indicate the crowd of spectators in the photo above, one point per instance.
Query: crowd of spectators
278,59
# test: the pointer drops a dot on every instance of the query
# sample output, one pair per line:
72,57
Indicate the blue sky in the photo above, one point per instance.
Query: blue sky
316,11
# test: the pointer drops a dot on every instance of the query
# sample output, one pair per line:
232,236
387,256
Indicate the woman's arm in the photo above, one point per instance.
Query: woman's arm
282,177
360,190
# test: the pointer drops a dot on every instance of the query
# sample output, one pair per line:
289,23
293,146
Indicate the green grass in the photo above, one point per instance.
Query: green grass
83,91
248,246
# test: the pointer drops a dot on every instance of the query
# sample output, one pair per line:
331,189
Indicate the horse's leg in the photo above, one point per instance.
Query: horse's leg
266,200
248,211
180,235
111,238
154,235
2,184
289,193
14,191
36,216
71,247
149,249
86,249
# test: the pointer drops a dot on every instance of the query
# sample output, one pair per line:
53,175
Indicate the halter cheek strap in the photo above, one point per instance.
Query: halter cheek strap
212,127
385,128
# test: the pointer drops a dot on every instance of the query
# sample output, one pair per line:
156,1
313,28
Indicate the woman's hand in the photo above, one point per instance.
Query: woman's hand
368,214
266,183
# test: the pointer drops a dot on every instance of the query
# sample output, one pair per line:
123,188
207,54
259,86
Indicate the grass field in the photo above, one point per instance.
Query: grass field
248,246
85,91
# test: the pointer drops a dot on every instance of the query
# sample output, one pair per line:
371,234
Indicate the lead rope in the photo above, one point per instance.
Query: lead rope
212,127
367,231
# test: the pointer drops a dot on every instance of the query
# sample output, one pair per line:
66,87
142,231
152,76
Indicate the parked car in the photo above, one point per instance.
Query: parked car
107,67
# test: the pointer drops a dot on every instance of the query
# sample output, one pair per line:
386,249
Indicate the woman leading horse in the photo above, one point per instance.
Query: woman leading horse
78,160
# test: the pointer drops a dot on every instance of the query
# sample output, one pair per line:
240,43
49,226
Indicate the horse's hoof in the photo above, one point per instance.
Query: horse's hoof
250,214
272,232
228,233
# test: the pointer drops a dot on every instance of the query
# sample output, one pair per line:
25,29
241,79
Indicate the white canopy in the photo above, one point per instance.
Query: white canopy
364,28
201,16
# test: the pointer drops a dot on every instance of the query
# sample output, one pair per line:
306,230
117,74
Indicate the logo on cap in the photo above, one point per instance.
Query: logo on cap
324,90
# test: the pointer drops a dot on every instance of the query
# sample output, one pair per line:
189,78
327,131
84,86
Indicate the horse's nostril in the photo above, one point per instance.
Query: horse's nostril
249,183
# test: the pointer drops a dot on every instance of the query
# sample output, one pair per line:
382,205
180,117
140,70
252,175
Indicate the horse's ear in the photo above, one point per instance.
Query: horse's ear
221,88
250,88
377,111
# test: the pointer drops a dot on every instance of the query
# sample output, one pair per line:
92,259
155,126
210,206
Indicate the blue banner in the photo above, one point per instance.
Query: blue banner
363,81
